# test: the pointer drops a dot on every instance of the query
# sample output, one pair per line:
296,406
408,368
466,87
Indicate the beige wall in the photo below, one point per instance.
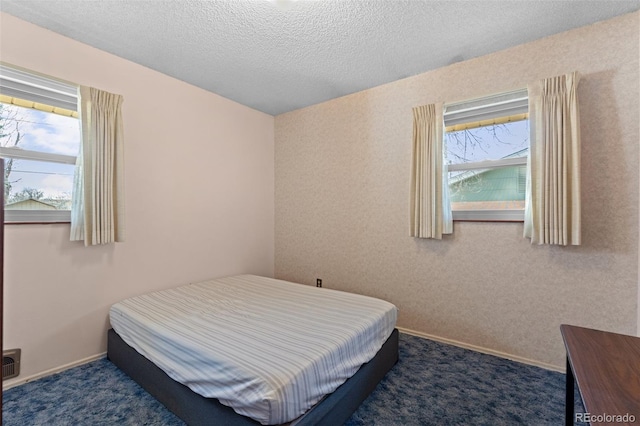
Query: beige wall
342,202
199,203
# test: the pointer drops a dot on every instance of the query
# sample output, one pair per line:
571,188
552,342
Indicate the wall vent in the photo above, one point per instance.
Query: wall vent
10,363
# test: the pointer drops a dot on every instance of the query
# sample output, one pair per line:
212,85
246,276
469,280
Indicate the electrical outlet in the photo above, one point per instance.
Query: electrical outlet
318,282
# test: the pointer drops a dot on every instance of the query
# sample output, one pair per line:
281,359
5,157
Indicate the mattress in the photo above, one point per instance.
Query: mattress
267,348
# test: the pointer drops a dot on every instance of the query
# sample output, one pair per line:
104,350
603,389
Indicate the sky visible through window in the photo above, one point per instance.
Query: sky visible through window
34,130
487,142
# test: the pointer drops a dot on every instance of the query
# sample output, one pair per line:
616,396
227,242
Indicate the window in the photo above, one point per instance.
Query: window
486,149
39,140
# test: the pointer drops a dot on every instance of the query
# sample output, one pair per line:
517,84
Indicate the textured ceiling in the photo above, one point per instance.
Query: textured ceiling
277,59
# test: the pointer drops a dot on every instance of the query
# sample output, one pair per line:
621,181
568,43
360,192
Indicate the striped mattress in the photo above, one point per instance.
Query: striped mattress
270,349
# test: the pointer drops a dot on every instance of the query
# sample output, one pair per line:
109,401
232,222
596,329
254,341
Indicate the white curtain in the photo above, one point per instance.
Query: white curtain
552,210
97,213
430,208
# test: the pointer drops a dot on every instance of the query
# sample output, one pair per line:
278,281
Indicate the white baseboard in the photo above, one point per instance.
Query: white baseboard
21,381
483,350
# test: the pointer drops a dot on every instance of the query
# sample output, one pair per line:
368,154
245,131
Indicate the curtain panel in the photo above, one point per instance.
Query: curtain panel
97,213
553,208
430,210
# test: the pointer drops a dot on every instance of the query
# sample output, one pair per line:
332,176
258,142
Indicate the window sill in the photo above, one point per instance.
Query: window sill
488,215
36,216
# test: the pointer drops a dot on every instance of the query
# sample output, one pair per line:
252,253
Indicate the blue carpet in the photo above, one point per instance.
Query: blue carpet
432,384
438,384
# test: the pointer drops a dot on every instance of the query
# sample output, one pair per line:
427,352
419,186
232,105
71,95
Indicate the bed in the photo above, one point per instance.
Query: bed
249,350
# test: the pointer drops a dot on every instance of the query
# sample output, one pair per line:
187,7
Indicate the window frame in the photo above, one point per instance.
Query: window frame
45,94
482,112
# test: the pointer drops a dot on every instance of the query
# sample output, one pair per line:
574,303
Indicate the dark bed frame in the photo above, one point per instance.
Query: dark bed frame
194,409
